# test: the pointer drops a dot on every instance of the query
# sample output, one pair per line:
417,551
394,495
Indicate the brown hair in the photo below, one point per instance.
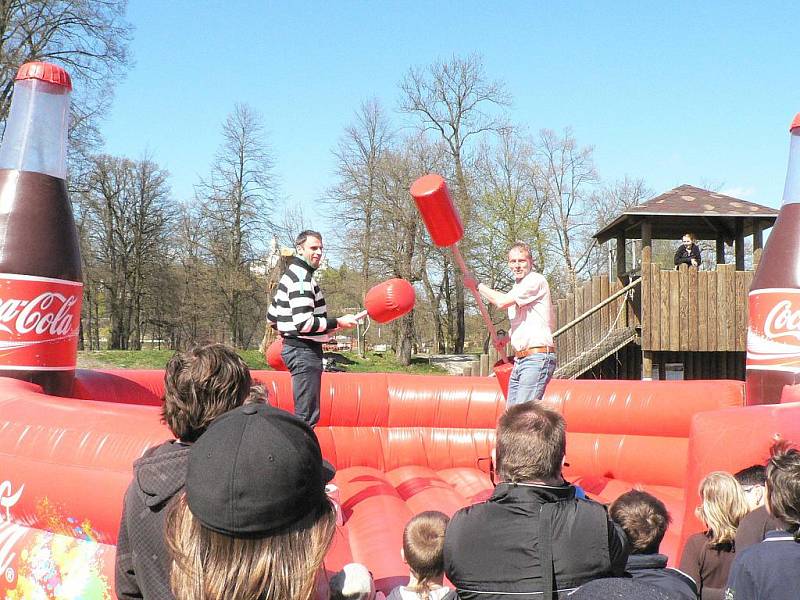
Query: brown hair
423,547
723,505
305,234
691,236
531,441
783,486
200,385
207,564
643,517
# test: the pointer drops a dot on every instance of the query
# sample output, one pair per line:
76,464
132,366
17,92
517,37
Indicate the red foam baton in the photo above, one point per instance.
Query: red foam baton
443,222
273,355
388,301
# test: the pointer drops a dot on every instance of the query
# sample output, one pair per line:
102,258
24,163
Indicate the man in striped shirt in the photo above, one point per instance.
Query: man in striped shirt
299,314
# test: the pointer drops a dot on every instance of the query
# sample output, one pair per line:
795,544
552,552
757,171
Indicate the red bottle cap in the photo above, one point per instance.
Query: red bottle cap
45,72
795,123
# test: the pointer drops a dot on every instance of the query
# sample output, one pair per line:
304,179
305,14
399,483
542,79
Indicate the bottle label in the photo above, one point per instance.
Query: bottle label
773,332
39,322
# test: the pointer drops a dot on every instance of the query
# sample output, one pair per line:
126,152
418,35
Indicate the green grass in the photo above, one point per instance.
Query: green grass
385,363
157,359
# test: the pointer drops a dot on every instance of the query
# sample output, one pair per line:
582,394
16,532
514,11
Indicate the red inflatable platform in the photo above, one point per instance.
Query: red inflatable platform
402,444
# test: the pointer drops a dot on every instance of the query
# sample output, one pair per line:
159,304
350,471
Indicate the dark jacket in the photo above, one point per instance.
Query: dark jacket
769,570
652,569
754,527
684,256
498,547
708,566
142,564
620,588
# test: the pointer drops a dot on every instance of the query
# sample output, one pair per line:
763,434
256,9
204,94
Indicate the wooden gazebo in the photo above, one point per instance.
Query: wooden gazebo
691,317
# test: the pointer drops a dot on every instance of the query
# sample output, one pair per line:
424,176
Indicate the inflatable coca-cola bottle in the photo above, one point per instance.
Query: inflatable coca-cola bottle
40,265
773,334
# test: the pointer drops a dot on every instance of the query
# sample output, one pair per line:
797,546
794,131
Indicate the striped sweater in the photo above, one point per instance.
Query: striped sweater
298,309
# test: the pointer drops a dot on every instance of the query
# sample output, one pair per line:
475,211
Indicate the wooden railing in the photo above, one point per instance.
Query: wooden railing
585,319
694,311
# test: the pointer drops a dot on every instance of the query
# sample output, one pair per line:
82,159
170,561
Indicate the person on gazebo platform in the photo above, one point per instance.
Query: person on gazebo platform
688,252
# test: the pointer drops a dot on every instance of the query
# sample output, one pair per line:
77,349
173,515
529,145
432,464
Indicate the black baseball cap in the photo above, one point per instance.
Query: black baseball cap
255,471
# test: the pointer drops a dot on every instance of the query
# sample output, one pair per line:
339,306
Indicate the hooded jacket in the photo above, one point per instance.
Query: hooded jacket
652,569
142,564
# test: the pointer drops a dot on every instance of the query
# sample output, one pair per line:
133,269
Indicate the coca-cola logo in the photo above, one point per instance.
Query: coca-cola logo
47,313
782,322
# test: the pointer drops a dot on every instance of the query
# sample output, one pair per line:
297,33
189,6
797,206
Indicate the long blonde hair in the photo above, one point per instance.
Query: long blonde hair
723,504
207,565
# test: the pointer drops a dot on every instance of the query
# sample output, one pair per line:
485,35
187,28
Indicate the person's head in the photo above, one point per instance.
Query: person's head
520,260
200,385
531,442
753,479
309,246
722,506
783,486
688,239
254,521
423,546
643,518
353,582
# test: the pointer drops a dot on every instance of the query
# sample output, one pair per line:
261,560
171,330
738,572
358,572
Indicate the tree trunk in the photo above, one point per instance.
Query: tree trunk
405,340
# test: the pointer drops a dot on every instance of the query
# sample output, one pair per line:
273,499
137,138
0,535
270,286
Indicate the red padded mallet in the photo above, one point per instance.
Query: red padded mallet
444,225
388,301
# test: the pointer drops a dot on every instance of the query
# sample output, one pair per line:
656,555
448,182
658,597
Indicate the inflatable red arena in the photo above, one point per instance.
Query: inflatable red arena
401,444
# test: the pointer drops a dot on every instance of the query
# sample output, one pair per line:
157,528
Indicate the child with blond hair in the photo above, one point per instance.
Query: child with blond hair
707,556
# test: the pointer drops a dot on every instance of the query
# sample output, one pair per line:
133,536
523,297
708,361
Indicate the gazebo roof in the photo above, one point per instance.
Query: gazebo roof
709,215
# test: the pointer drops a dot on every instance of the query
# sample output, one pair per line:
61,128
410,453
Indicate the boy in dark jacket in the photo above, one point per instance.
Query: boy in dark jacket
199,386
644,518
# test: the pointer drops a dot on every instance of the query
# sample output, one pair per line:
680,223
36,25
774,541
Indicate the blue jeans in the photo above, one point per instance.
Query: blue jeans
305,365
530,377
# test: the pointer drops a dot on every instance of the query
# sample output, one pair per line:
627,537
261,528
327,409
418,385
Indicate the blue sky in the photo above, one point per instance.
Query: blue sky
698,93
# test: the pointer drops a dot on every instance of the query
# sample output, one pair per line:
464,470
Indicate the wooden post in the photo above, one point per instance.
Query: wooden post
493,356
647,365
720,251
739,245
758,243
484,365
647,235
621,269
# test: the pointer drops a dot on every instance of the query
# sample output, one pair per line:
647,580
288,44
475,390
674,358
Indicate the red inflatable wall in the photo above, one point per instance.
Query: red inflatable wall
401,444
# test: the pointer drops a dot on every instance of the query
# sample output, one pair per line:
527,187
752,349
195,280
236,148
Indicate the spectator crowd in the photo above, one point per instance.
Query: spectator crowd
236,506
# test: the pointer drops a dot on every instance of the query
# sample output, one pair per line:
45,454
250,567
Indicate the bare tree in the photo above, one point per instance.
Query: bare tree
125,219
237,199
607,203
88,37
455,100
566,177
359,157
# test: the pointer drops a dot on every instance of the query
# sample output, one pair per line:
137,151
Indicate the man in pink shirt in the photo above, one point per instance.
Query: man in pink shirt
531,315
